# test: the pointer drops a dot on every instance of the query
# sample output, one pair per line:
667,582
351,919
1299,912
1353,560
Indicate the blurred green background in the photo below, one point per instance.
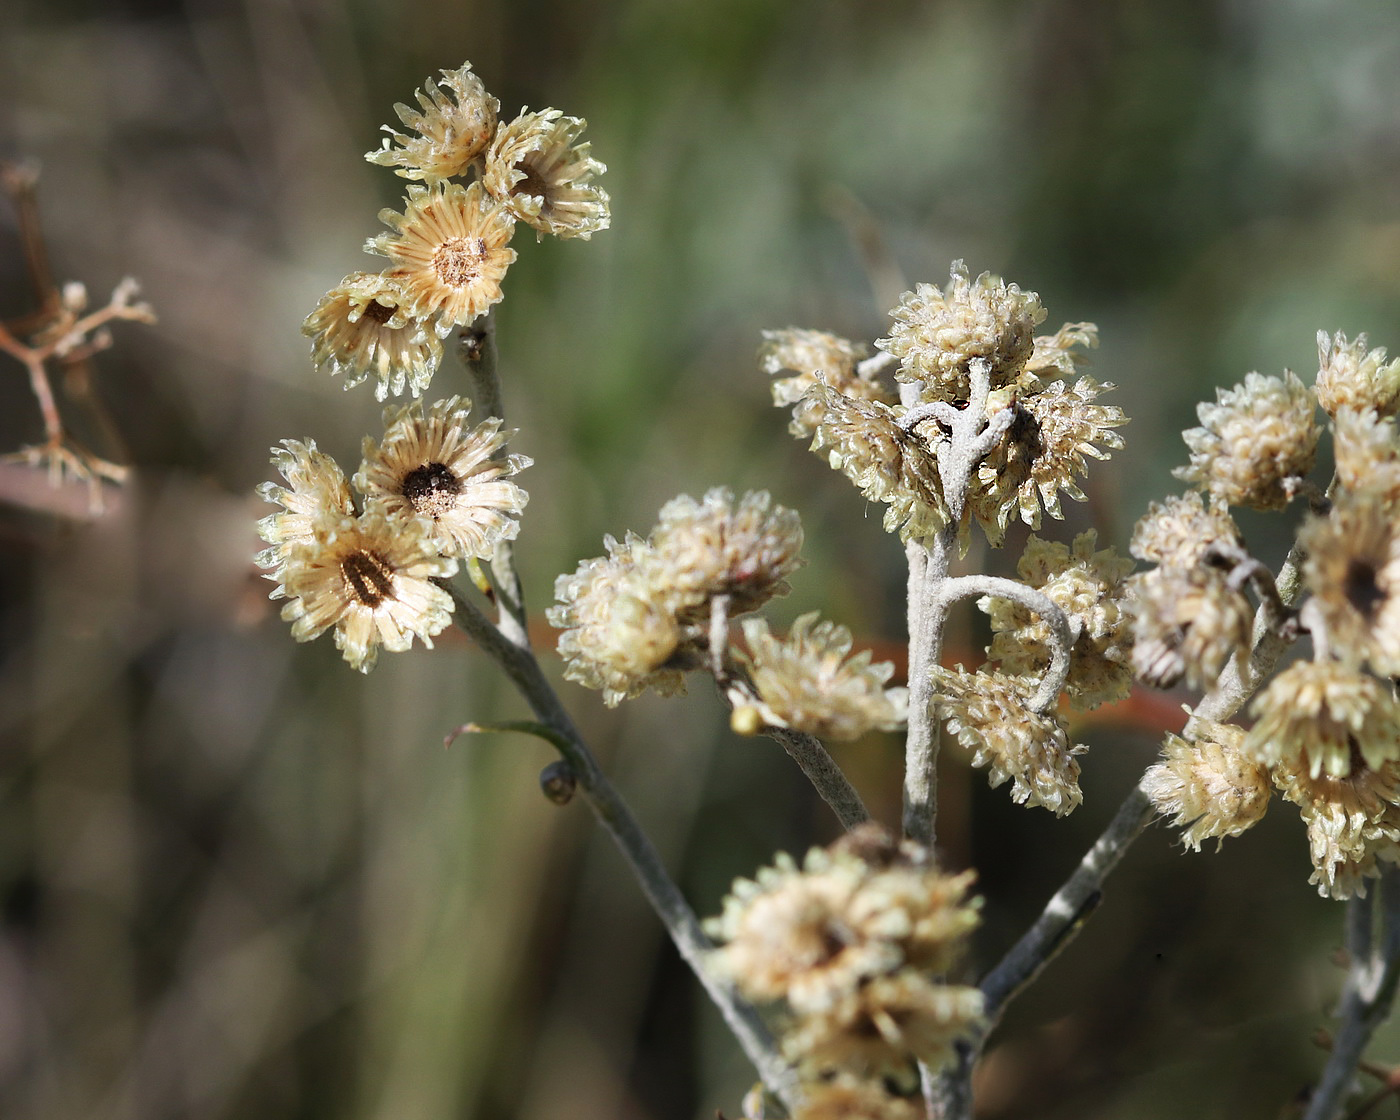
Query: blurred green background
237,880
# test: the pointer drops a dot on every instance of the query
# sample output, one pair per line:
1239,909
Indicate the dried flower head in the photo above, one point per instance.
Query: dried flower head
937,333
371,577
1350,376
451,250
1057,352
545,177
452,130
715,546
1352,567
808,681
1353,823
863,908
811,357
620,632
432,464
1090,588
1324,717
1368,454
1181,531
884,1023
863,439
361,327
989,713
1208,784
1044,450
316,492
1255,444
1188,623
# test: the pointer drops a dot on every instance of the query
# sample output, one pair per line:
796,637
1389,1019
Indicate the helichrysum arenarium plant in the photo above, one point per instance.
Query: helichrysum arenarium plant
840,973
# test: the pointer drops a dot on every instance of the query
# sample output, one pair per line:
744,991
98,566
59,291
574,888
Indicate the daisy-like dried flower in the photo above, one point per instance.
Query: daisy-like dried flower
450,248
1188,622
1209,784
316,492
788,936
881,1025
1181,531
435,466
1089,587
1368,453
1255,443
361,327
545,177
1353,823
1350,376
809,683
989,713
620,632
936,334
1322,716
812,357
452,130
371,577
1352,567
745,550
864,907
1045,448
1056,352
863,439
847,1097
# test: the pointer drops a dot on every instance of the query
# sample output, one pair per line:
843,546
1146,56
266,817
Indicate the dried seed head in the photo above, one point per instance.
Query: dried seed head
809,682
452,130
1350,376
1255,444
1090,588
937,333
545,177
812,357
989,713
1188,622
1324,717
1352,567
1353,823
1181,530
863,439
1209,785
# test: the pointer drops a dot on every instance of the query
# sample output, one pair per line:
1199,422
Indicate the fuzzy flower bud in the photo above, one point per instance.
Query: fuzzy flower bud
1255,443
1323,717
1350,376
1353,823
936,334
809,683
1209,785
989,713
1181,530
1188,622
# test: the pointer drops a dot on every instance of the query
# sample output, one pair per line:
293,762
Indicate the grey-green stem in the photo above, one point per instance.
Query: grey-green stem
1373,969
1065,913
612,812
476,350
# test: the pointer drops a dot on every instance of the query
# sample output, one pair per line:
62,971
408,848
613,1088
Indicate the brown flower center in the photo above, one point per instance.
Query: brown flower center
459,260
533,183
1362,591
431,489
370,579
377,312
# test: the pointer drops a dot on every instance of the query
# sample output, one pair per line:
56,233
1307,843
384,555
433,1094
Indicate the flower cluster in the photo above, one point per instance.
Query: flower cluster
854,945
640,616
433,491
1326,731
938,337
1090,588
449,249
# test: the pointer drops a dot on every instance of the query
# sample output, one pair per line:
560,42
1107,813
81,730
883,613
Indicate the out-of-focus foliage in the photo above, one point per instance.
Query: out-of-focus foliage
238,880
